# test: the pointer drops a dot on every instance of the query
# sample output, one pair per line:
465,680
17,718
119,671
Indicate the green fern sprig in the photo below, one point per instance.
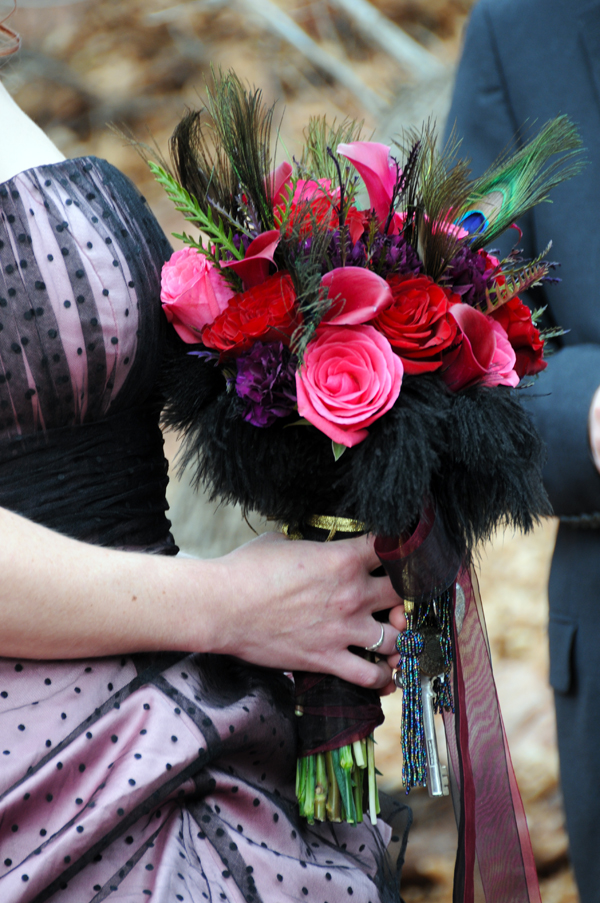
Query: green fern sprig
553,332
186,204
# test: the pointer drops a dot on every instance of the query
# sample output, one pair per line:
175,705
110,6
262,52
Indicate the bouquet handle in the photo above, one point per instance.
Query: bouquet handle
336,775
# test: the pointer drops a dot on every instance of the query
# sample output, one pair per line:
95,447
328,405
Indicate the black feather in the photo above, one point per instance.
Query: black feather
202,167
476,453
242,126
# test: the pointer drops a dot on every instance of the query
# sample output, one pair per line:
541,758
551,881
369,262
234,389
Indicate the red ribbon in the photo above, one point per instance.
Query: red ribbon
494,860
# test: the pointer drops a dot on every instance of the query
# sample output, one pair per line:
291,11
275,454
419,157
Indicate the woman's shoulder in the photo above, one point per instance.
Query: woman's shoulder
89,174
92,187
81,256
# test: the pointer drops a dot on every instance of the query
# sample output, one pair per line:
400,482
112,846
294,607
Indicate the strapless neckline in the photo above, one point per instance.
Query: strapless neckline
52,166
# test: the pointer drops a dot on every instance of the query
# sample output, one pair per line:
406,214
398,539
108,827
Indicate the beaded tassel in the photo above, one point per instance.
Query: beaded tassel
414,768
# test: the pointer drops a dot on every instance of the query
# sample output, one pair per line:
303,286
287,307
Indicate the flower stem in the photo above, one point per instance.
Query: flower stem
321,788
299,779
334,801
309,794
332,786
359,749
358,792
373,794
342,774
346,759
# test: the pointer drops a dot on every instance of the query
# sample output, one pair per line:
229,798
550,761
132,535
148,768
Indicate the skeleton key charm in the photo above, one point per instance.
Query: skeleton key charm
431,663
437,775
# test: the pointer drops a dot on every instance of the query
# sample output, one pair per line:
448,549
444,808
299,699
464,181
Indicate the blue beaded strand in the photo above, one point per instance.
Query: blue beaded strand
414,767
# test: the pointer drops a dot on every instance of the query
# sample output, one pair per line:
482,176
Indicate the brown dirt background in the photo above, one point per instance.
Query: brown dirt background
138,63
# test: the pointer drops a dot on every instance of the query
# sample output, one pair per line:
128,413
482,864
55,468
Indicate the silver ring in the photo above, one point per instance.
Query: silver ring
376,645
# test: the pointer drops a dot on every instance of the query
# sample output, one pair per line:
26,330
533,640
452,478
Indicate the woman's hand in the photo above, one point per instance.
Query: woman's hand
300,605
273,602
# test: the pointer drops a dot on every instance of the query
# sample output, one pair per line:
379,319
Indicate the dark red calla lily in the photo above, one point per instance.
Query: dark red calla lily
358,296
254,268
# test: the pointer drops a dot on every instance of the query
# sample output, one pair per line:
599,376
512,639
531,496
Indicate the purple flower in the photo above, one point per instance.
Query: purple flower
469,275
266,381
392,255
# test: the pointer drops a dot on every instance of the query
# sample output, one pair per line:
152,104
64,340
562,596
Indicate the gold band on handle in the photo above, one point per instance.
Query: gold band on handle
325,522
341,524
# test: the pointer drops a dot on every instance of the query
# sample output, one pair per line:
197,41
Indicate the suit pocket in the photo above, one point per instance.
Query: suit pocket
561,634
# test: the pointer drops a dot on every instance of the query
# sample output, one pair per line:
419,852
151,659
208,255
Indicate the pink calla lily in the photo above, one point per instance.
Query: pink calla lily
254,268
280,182
378,172
484,355
358,296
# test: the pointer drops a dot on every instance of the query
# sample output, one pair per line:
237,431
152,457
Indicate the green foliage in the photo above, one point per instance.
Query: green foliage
319,154
518,278
306,269
185,203
437,184
553,332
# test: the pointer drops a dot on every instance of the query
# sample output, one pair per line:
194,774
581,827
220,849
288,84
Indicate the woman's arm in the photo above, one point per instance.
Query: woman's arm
24,145
272,602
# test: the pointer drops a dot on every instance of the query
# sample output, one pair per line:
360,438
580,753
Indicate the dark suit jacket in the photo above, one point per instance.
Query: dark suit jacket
528,60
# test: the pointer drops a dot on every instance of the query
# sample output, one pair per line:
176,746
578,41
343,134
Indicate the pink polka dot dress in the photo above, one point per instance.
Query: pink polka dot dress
147,777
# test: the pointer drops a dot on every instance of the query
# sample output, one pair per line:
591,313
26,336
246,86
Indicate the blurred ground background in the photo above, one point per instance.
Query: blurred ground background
138,63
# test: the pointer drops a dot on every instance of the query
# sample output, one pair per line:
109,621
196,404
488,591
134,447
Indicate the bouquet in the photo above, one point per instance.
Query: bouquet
347,359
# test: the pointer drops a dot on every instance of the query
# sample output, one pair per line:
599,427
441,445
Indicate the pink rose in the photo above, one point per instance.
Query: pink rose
349,378
502,368
193,293
484,355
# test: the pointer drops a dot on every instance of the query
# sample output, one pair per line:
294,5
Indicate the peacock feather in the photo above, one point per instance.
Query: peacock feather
242,128
436,184
319,155
202,168
518,181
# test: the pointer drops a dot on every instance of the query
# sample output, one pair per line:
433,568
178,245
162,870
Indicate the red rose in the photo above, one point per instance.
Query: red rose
321,210
418,324
267,312
515,317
